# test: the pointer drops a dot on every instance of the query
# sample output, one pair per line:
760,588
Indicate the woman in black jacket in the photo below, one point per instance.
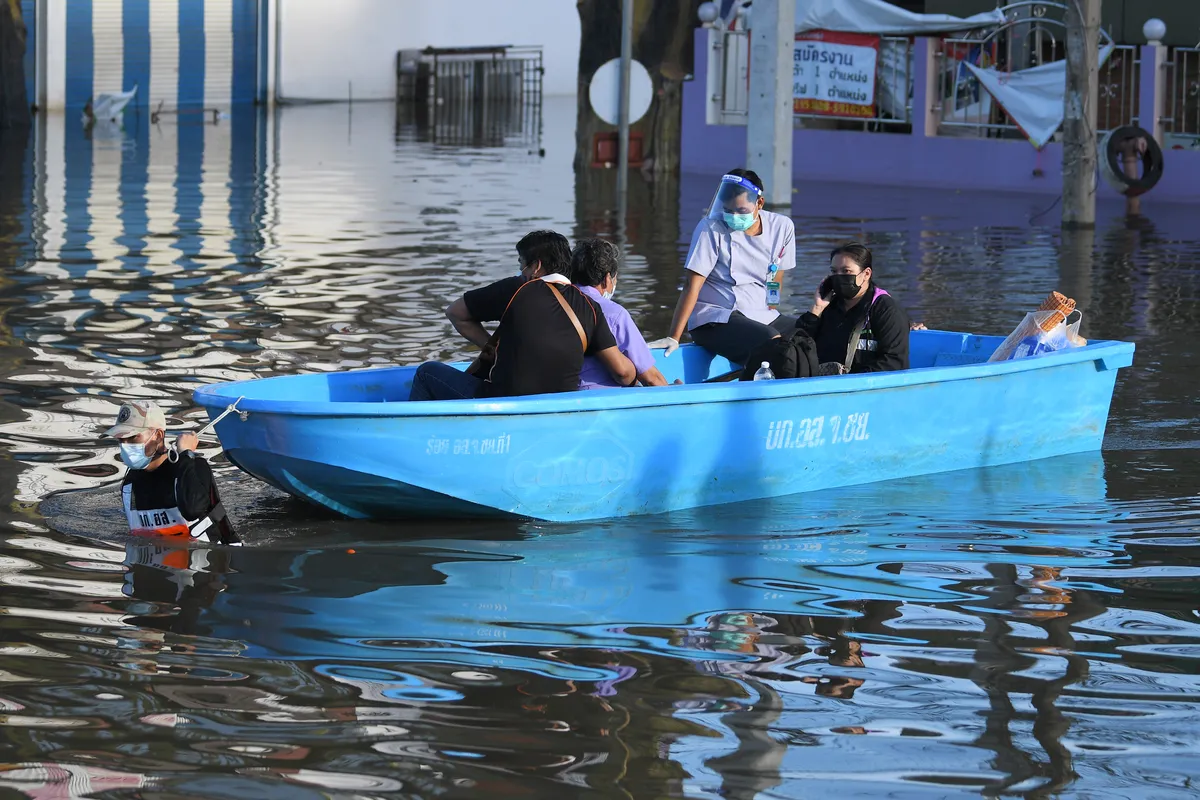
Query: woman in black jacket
857,326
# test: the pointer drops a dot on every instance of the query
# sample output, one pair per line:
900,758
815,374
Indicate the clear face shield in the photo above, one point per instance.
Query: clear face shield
735,202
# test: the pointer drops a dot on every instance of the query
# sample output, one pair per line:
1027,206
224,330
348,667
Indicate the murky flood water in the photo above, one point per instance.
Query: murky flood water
1023,631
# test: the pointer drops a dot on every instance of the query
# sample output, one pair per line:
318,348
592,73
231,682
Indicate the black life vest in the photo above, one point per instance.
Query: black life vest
160,514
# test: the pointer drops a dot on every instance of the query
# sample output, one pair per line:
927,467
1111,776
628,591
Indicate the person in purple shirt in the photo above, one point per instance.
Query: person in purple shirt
594,265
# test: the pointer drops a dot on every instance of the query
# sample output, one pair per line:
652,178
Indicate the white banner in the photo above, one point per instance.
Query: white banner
834,74
1032,98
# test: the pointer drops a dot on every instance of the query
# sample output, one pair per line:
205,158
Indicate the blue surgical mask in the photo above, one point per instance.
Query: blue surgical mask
134,456
738,222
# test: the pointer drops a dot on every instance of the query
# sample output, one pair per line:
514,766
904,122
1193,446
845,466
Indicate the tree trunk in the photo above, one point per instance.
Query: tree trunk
662,43
651,230
1079,114
14,104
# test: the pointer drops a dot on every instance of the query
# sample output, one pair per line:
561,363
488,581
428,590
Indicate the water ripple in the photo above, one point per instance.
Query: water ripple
1023,631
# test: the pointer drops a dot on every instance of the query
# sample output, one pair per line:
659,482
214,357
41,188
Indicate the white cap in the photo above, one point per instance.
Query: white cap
137,416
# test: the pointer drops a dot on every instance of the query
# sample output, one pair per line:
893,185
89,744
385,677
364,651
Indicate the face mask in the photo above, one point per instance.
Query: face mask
134,456
609,294
846,286
738,222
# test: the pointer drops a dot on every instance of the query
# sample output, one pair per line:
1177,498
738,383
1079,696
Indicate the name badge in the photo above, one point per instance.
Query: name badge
772,287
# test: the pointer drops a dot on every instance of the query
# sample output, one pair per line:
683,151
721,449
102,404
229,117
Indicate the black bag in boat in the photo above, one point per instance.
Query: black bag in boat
794,357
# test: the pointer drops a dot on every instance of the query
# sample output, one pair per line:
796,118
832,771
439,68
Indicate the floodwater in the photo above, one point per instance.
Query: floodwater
1026,631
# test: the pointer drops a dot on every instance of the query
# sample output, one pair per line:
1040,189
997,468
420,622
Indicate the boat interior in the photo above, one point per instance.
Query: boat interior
691,364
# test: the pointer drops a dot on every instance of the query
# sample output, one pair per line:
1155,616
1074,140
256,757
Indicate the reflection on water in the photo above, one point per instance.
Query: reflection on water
1024,631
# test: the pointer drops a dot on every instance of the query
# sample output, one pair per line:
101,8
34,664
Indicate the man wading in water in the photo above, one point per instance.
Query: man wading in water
167,491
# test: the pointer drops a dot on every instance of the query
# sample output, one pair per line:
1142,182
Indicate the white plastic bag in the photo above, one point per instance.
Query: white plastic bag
1031,337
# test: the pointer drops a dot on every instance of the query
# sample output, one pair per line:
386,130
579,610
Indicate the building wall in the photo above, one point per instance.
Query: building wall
213,52
180,53
335,51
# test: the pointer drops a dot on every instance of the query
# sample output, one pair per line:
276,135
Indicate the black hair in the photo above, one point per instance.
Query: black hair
749,175
548,247
857,252
593,260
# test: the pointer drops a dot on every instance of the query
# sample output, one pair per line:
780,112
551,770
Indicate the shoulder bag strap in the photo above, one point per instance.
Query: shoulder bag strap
493,342
570,315
495,338
856,336
852,347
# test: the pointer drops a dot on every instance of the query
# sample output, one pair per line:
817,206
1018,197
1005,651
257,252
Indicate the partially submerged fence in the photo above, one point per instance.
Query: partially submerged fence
963,106
1032,35
1182,105
482,96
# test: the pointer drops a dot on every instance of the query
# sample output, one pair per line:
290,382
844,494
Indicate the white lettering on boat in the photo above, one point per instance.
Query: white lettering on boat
497,446
786,434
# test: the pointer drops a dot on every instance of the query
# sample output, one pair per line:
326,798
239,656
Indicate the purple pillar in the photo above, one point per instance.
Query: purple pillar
1152,90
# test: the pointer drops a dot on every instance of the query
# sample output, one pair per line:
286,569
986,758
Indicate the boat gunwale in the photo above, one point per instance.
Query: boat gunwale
218,395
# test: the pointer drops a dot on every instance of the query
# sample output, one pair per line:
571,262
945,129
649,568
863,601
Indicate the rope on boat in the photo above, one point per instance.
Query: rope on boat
229,409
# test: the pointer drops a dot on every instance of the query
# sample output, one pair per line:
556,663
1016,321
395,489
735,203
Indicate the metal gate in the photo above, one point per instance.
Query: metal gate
480,96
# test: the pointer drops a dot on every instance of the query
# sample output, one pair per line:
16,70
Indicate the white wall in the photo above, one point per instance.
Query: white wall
52,59
329,50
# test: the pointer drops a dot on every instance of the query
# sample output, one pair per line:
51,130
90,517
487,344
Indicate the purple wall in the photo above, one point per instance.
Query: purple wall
971,166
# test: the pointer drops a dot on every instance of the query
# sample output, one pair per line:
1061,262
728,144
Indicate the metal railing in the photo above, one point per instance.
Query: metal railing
1033,35
966,106
1182,102
729,83
481,96
1120,88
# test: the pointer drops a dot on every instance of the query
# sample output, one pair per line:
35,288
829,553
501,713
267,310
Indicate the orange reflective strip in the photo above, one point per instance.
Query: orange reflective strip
169,530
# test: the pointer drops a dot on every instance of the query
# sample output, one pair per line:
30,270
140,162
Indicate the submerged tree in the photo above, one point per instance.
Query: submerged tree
662,43
14,104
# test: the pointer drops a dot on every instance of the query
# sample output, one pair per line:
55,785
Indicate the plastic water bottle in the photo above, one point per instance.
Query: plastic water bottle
764,373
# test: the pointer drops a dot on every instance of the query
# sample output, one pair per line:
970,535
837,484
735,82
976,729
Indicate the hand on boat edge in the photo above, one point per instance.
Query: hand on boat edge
666,343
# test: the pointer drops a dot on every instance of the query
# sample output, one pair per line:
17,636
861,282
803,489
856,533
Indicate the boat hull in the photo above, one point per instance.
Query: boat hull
365,452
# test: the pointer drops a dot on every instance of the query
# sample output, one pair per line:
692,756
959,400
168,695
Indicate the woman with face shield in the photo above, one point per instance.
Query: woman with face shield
734,269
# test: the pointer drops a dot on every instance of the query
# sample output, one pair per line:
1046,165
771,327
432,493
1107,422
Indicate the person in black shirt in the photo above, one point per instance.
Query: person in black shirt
857,326
538,347
167,491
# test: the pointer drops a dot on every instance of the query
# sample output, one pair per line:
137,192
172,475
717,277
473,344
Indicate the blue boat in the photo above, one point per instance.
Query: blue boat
351,441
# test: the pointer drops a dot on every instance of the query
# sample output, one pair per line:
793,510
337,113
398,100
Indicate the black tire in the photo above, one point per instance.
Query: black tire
1112,163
